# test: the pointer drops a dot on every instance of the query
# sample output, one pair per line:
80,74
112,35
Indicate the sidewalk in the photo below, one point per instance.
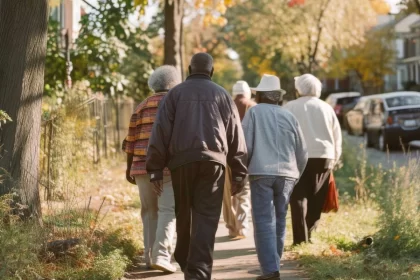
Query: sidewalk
233,260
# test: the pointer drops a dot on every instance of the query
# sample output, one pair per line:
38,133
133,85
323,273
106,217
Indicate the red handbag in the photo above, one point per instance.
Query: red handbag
331,201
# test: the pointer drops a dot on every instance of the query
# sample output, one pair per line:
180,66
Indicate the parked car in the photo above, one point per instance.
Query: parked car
339,100
393,119
354,121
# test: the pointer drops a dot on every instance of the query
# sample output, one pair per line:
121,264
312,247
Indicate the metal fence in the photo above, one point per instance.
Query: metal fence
95,131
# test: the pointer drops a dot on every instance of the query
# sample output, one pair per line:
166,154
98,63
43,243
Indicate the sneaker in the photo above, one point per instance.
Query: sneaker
164,266
271,276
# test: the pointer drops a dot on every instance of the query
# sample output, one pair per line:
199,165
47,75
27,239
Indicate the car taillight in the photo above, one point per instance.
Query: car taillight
337,109
390,120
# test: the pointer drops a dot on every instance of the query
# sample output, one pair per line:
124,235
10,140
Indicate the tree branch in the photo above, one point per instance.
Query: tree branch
90,5
312,57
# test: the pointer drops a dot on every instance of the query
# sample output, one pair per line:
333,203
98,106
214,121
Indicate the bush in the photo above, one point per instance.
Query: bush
109,267
105,267
399,200
20,243
118,240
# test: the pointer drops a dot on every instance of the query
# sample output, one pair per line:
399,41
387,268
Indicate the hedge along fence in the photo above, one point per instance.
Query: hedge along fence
78,134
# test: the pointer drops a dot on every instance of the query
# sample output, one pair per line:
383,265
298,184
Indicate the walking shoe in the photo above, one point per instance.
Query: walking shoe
164,266
271,276
238,237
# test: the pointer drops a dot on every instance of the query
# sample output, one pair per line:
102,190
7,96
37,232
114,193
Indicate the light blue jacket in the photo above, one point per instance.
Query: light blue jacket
276,146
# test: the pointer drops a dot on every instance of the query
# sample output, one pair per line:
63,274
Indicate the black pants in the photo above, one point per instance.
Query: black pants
198,189
308,199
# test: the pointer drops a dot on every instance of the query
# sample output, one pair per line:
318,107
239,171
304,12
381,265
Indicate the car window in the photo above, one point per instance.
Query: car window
347,100
402,101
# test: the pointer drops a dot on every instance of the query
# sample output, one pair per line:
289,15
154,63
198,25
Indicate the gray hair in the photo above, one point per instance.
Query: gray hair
164,78
272,97
201,63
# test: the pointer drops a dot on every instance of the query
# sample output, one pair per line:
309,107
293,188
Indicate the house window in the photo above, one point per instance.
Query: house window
57,13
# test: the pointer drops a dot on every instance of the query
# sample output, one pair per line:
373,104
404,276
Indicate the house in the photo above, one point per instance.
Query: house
68,13
409,60
407,48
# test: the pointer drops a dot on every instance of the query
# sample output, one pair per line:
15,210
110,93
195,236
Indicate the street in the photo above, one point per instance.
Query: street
376,157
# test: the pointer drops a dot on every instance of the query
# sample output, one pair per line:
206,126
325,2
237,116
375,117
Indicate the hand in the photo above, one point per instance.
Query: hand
129,177
158,187
236,188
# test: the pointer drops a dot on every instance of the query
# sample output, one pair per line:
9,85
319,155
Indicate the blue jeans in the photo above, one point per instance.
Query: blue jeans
269,199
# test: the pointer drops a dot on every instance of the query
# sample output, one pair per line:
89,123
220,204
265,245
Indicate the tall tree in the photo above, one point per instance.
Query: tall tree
411,5
174,15
23,40
370,60
302,34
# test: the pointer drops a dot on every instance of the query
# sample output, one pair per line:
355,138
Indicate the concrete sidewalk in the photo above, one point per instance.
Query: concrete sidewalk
232,260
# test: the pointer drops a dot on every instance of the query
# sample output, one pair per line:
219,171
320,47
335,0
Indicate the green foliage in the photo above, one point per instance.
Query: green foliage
106,39
118,240
387,209
396,192
109,267
55,70
399,200
359,266
104,267
20,243
107,50
4,117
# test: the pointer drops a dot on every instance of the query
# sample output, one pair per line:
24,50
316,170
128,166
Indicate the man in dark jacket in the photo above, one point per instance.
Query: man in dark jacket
196,134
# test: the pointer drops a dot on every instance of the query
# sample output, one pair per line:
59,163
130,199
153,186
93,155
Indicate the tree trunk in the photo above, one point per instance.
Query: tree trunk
417,2
23,40
174,13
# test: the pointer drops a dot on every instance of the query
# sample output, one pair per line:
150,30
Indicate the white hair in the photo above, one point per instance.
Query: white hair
308,85
164,78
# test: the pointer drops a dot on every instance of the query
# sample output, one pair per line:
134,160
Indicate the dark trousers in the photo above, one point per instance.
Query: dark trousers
308,199
198,189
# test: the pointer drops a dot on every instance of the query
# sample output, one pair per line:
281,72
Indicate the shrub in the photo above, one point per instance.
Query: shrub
20,243
109,267
399,200
118,240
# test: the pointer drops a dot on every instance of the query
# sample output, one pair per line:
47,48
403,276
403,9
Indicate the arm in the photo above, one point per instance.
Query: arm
157,151
248,128
127,172
237,152
128,147
301,150
337,138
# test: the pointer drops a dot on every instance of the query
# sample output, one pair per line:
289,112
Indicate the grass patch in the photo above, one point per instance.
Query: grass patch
338,252
377,203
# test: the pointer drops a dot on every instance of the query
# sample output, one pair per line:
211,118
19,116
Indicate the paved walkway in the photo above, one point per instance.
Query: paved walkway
232,260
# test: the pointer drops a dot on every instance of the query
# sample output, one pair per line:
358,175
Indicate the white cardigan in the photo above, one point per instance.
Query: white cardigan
320,127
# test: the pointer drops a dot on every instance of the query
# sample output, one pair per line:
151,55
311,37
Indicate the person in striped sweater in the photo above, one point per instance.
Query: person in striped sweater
157,212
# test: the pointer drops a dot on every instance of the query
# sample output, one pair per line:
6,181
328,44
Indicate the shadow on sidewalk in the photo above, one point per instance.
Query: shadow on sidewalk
230,253
142,273
222,239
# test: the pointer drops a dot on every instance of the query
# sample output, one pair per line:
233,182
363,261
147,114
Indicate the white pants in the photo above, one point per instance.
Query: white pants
158,216
236,209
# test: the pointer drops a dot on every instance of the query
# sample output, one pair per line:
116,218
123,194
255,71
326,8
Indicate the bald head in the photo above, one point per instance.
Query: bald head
201,63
